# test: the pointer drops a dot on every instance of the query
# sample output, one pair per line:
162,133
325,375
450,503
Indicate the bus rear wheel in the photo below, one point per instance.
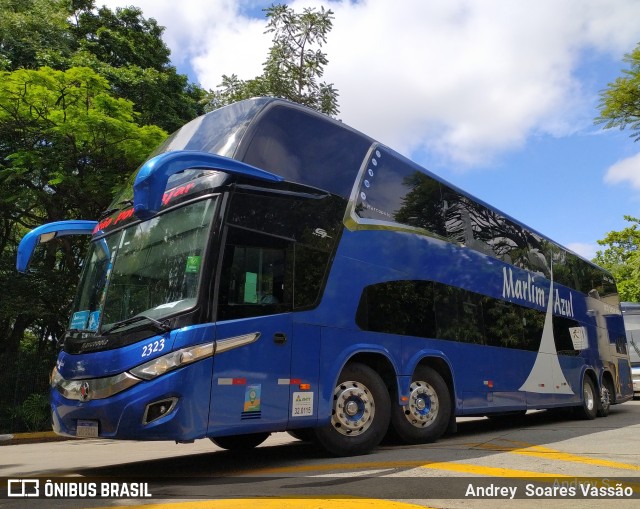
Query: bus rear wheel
589,408
240,442
426,417
607,398
360,413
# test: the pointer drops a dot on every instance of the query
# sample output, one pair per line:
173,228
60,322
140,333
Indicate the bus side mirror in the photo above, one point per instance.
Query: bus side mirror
47,232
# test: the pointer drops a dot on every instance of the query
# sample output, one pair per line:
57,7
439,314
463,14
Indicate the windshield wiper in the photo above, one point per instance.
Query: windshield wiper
155,324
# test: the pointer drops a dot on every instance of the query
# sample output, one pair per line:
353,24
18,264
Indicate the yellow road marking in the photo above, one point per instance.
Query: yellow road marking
539,451
282,503
446,466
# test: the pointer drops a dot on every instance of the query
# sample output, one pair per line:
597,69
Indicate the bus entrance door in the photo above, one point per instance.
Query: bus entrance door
251,370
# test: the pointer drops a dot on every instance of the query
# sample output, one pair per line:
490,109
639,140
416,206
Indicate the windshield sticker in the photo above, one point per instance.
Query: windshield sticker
169,305
79,320
193,264
94,320
252,398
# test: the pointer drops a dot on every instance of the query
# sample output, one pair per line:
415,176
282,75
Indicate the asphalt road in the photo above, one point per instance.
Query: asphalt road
526,457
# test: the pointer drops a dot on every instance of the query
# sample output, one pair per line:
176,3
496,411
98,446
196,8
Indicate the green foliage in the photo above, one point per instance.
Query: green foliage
70,137
294,64
620,102
621,257
128,50
120,45
35,412
66,145
34,33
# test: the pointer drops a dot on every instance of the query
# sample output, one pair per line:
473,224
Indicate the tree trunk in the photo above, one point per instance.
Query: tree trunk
11,343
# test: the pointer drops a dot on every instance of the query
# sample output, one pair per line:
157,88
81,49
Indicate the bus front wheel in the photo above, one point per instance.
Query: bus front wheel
360,413
240,442
426,416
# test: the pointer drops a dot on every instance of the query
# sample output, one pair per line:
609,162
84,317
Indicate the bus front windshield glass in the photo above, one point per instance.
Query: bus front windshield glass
150,269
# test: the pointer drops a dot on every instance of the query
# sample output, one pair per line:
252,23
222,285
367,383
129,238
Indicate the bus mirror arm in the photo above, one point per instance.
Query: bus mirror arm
151,180
47,232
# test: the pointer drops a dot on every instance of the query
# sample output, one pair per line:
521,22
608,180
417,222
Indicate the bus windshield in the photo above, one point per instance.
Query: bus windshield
149,269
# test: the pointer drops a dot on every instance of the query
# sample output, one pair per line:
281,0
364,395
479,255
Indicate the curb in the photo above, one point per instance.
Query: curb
31,438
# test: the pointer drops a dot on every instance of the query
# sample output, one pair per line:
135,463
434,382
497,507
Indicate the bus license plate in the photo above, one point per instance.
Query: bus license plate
87,429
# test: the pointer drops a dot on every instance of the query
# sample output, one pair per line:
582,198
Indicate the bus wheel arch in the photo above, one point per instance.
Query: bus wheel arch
430,408
240,442
361,408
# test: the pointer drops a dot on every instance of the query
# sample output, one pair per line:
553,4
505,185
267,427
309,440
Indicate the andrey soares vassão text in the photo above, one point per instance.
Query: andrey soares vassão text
566,489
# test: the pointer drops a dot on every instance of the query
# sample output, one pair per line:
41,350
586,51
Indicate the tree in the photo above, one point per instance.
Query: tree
294,65
66,144
69,136
129,51
621,257
620,102
34,33
121,45
620,107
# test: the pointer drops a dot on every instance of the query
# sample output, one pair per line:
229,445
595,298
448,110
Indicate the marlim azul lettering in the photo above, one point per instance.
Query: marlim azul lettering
525,289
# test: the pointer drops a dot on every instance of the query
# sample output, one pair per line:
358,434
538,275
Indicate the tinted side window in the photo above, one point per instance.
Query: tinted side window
394,189
562,331
278,252
398,307
256,277
574,272
434,310
307,149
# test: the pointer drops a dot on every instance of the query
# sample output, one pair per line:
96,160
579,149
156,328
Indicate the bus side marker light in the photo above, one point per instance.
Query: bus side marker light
305,387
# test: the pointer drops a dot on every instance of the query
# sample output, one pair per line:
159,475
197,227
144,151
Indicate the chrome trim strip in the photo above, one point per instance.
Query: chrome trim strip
224,345
96,388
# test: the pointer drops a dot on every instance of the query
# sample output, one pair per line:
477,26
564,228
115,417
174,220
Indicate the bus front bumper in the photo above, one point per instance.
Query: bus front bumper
174,406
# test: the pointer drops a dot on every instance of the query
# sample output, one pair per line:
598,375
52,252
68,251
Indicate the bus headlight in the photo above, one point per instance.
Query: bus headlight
174,360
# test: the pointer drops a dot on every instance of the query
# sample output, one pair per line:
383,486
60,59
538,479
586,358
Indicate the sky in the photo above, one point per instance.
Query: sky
498,97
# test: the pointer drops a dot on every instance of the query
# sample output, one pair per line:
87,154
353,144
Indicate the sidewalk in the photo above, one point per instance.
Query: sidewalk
30,438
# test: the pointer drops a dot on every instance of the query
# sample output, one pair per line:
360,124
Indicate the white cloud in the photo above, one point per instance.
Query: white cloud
465,79
585,250
626,170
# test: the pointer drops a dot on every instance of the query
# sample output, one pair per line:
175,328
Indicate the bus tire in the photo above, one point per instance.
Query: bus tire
360,413
607,398
426,417
589,408
240,442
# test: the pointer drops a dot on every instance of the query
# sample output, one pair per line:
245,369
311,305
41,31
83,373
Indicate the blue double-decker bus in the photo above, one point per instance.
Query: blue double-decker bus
272,269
